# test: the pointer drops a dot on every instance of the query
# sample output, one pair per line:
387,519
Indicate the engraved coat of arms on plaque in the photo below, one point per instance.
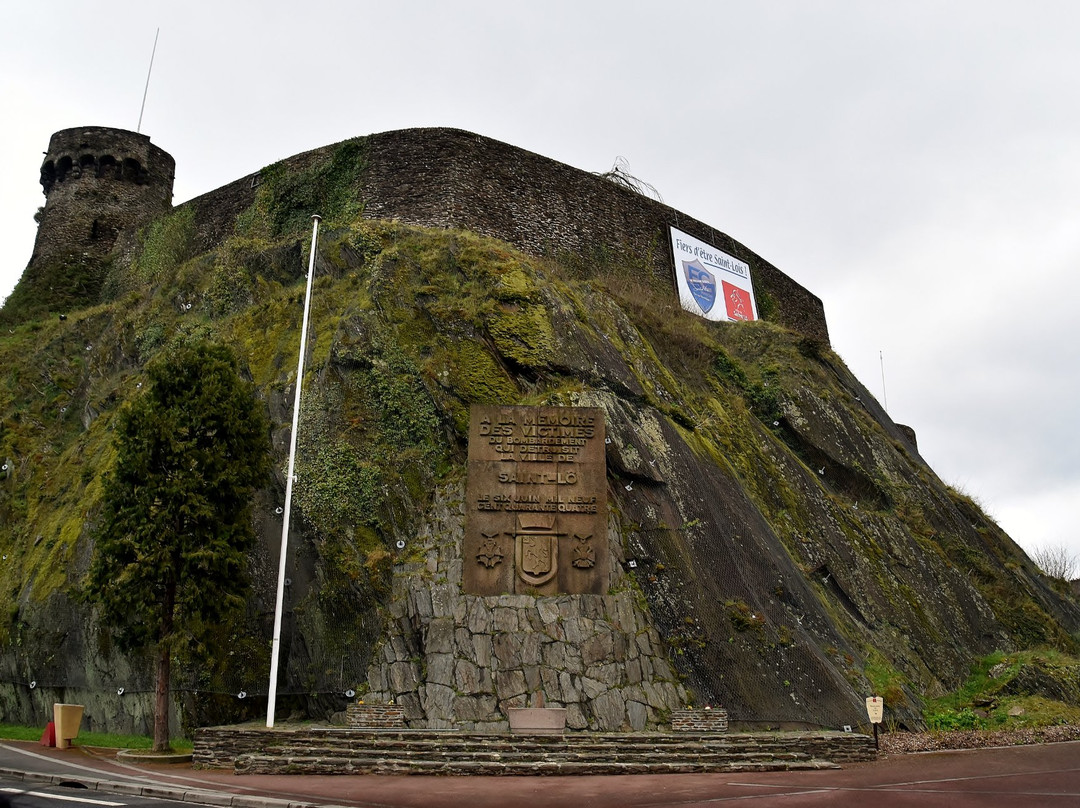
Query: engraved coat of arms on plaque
536,515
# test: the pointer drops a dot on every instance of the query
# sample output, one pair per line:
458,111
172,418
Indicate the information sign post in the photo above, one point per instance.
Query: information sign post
874,708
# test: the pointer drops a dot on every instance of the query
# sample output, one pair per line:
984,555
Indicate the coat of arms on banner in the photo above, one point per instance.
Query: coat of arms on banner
701,283
536,548
738,302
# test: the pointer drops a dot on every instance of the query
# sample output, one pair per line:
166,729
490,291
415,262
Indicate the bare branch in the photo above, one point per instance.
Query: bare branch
620,175
1057,561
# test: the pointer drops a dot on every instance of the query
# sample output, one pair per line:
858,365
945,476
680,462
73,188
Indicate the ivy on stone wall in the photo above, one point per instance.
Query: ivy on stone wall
286,200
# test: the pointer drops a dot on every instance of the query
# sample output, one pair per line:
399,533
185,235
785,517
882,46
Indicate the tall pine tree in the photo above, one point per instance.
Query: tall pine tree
169,549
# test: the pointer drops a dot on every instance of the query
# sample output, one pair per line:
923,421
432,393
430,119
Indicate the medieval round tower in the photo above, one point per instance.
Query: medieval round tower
100,185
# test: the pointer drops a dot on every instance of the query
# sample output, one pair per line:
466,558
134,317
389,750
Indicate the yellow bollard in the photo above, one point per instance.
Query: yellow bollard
67,718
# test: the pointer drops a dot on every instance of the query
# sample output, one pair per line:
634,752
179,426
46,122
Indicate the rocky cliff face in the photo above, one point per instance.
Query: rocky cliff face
778,545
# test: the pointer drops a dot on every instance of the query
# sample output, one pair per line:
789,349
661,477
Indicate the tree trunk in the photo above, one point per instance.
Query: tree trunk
161,700
161,692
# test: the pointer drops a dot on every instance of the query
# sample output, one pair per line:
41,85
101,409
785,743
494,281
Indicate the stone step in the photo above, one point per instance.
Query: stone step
511,754
421,751
537,743
267,764
510,748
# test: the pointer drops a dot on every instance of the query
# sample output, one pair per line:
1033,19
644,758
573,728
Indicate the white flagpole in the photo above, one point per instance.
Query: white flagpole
275,650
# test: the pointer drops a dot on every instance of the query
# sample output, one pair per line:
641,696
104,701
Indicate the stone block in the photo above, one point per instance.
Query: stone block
507,649
626,614
532,678
609,673
644,643
509,684
547,611
410,703
453,572
637,715
567,607
513,703
420,599
549,679
397,650
593,607
570,687
655,696
398,608
530,649
596,649
440,636
482,649
376,676
479,617
554,655
661,669
572,662
634,693
437,701
475,708
440,669
443,599
609,711
505,620
403,677
555,631
575,717
619,646
466,676
675,694
591,688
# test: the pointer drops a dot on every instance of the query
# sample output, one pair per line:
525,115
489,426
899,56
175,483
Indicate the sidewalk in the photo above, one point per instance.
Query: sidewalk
1047,775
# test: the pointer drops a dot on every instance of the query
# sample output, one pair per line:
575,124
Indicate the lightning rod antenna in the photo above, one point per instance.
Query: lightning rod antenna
884,394
147,87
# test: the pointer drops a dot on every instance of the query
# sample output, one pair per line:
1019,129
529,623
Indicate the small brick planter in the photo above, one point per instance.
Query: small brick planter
714,720
374,716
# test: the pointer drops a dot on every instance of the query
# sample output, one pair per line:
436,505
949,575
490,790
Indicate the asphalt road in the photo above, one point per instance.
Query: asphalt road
1027,776
20,794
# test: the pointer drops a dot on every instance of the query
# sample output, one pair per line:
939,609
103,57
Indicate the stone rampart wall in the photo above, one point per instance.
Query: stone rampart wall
456,179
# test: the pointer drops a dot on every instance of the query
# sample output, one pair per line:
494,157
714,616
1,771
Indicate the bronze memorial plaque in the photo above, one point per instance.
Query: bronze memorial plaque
536,501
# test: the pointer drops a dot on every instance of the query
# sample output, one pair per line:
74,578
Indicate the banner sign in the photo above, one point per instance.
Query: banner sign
711,283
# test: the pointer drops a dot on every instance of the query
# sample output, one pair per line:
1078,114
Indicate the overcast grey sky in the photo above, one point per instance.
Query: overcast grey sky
916,164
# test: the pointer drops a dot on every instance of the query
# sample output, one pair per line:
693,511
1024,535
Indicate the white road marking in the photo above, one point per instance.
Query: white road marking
63,797
98,771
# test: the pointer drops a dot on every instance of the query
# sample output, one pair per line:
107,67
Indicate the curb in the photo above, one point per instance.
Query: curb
200,796
140,756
